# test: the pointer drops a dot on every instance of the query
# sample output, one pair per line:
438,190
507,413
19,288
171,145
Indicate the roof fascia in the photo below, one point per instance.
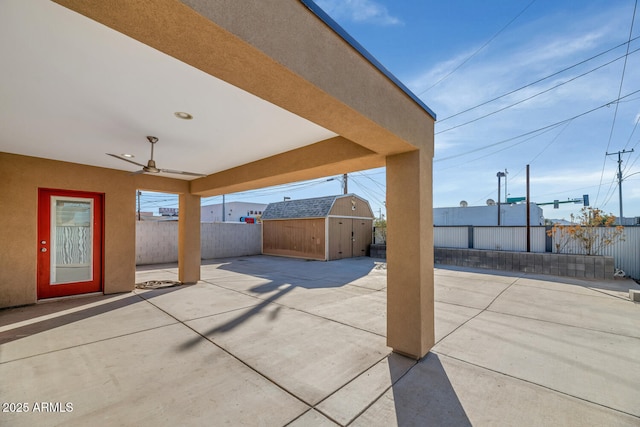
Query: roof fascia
324,17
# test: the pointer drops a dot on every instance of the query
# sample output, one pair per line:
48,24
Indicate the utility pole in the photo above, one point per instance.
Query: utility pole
224,218
620,153
528,213
139,194
506,194
344,181
499,175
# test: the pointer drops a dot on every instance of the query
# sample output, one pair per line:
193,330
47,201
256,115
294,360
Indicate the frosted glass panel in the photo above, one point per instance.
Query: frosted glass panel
71,238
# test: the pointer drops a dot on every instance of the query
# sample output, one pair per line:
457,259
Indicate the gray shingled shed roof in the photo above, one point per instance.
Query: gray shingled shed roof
318,207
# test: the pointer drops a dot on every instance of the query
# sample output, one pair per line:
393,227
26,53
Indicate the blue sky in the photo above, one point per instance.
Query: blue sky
457,55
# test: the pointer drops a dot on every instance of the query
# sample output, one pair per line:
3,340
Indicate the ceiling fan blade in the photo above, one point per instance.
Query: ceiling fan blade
141,171
181,172
125,159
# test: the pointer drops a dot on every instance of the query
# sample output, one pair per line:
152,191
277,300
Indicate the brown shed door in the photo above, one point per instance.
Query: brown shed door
361,236
349,237
340,230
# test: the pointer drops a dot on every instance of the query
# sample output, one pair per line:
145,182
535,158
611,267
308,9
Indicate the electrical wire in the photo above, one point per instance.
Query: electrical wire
504,141
537,81
151,200
635,126
477,51
555,138
536,94
380,186
615,114
501,149
548,145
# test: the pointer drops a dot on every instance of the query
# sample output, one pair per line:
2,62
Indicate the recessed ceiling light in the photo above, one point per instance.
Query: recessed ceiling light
130,156
182,115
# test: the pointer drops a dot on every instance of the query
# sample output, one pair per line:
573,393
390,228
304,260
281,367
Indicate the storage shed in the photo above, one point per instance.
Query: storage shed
322,228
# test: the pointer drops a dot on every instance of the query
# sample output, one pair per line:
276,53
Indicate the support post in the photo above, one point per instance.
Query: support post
410,300
528,214
189,238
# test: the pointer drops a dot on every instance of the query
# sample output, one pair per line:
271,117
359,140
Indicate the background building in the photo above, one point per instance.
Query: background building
233,211
510,214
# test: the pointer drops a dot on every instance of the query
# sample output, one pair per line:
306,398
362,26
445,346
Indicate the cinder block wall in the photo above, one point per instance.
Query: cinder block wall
157,241
584,266
378,251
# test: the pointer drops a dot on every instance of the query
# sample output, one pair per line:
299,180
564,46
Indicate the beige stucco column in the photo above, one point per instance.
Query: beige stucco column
410,307
189,238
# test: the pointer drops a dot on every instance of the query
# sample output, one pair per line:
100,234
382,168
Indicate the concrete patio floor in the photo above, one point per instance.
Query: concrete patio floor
266,341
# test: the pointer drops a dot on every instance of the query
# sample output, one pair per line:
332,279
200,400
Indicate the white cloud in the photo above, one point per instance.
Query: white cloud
359,11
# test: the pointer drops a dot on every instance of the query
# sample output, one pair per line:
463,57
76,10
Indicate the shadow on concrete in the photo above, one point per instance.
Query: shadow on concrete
98,305
424,396
281,276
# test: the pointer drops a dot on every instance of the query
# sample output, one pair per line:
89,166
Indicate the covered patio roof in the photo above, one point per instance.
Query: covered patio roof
84,79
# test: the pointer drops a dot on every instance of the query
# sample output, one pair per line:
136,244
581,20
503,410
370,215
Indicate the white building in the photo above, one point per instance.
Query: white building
510,214
233,212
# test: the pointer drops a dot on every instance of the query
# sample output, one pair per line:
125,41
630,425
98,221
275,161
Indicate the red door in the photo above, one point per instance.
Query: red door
70,231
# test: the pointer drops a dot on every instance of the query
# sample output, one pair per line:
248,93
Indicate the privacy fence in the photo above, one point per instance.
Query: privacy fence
626,253
157,241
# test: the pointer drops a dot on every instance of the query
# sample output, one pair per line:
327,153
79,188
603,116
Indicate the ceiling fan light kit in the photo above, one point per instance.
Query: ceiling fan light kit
151,167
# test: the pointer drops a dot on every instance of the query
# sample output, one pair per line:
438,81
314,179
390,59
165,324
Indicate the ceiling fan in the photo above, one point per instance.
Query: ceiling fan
150,167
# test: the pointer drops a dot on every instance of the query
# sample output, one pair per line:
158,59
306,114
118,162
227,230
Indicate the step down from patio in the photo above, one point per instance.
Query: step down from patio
634,295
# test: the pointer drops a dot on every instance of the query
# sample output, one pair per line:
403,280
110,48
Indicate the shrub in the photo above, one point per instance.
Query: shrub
592,230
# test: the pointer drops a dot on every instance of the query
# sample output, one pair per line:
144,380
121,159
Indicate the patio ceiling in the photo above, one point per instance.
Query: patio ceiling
72,89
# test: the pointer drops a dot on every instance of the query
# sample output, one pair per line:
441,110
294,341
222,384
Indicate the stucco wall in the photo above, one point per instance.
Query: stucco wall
22,176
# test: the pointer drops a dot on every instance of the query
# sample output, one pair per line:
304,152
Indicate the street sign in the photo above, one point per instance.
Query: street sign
516,199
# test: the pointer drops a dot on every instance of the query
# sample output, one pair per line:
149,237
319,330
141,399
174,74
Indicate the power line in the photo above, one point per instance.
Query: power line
380,186
555,138
537,94
478,50
538,81
501,149
536,130
630,165
615,113
635,126
547,146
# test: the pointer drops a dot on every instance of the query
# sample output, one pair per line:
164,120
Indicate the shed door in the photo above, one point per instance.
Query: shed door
69,243
362,229
340,238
